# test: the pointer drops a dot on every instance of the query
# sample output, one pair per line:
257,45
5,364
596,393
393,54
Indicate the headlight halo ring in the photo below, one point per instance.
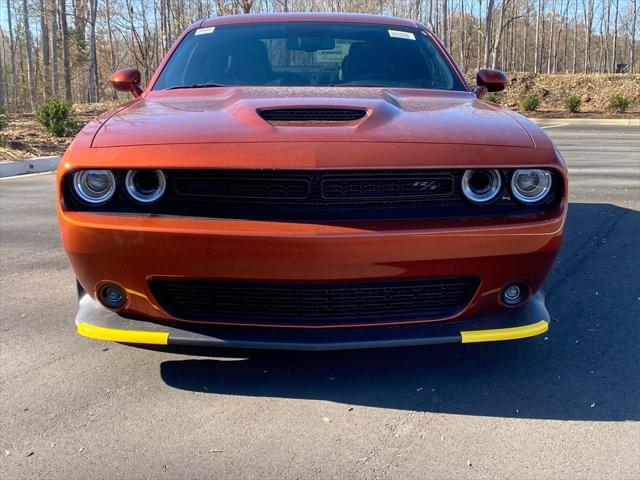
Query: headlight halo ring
542,187
137,194
488,193
88,195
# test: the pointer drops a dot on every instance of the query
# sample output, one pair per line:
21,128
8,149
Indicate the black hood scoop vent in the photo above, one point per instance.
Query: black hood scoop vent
312,115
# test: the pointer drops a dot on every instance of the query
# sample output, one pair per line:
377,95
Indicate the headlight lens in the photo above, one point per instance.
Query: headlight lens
145,186
531,185
481,186
94,187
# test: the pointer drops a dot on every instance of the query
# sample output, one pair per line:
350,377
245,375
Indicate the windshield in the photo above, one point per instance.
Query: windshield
308,54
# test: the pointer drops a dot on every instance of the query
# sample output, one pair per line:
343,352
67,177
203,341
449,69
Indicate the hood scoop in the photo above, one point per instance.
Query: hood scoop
311,115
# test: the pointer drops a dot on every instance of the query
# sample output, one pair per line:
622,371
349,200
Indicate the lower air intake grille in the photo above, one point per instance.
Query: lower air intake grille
312,304
312,114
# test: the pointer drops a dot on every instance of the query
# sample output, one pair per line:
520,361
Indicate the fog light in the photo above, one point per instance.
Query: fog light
112,296
514,294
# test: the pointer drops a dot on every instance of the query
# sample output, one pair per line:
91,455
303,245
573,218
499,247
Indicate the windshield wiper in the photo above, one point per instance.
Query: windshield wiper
195,85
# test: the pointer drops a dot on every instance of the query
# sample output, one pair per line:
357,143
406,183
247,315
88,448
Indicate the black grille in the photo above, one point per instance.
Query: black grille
244,187
317,304
396,186
312,114
318,188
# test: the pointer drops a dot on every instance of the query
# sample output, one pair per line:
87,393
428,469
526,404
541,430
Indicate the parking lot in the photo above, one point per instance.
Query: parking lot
564,404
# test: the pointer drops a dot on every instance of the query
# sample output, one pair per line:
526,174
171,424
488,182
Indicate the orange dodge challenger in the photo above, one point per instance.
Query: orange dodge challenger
310,181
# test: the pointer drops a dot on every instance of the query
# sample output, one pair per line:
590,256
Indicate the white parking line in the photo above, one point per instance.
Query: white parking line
554,126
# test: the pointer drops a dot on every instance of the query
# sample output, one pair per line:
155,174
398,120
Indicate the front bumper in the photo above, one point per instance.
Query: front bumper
134,251
528,320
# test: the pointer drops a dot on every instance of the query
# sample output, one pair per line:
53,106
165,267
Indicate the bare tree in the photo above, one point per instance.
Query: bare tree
44,45
3,93
632,50
93,64
540,13
488,28
551,35
66,62
55,78
12,53
445,22
587,7
29,50
112,52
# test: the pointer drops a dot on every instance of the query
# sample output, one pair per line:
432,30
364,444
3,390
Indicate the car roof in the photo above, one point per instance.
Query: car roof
307,17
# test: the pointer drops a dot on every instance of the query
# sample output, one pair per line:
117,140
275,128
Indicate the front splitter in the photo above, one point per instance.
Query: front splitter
528,320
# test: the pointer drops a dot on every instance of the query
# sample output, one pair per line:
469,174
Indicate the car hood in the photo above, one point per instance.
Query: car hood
231,115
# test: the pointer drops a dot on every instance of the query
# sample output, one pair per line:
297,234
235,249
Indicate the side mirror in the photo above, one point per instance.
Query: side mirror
127,80
490,81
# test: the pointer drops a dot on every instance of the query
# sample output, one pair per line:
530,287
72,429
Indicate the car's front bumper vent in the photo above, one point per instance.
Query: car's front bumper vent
313,304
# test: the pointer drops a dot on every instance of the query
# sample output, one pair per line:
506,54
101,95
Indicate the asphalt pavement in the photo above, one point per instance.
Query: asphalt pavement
562,405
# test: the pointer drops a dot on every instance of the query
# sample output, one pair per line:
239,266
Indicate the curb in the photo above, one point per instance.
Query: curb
33,165
623,122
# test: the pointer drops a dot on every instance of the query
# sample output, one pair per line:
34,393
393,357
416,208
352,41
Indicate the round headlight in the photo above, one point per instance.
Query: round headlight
531,185
94,187
481,186
145,186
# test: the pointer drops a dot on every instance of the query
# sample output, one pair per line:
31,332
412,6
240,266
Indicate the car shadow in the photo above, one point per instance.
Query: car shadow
585,368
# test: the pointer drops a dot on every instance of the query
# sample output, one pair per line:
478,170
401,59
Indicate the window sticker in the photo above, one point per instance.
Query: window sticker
401,34
204,31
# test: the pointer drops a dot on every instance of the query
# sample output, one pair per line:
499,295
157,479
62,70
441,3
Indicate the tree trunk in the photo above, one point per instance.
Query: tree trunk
445,22
3,93
80,21
537,43
551,35
588,25
29,49
65,51
93,64
44,40
487,33
55,77
565,65
479,43
607,62
614,49
498,39
575,37
634,21
525,43
463,54
12,53
112,54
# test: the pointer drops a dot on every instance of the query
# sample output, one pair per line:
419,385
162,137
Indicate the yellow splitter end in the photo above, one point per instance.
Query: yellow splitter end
123,336
500,334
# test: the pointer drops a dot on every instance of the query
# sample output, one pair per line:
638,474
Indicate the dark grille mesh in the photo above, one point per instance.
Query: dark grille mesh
312,304
312,114
319,188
